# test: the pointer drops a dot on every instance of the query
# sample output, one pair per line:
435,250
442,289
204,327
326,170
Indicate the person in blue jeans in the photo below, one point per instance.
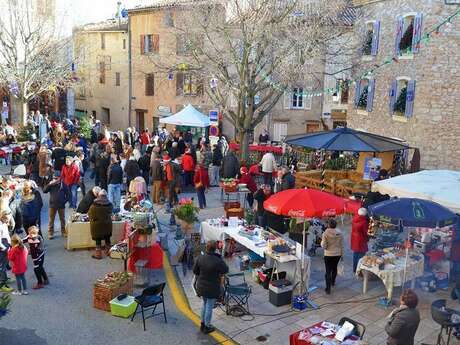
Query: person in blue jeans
115,180
209,270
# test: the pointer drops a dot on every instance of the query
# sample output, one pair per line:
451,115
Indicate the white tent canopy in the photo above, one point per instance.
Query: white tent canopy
189,116
441,186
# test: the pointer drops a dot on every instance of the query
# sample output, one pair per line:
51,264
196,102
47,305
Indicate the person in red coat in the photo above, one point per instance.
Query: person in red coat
359,238
188,165
249,181
145,140
17,256
201,180
70,177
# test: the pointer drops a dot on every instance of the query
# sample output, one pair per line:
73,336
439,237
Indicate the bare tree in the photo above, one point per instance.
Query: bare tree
34,59
252,51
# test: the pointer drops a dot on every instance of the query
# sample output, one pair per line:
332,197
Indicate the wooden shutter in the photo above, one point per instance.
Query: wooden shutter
399,34
142,45
199,86
392,94
417,33
179,83
375,38
287,99
410,98
149,84
357,92
370,94
156,43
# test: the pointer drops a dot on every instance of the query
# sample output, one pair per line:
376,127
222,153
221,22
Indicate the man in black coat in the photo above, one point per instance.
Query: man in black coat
132,171
56,205
88,199
230,165
288,180
58,157
209,270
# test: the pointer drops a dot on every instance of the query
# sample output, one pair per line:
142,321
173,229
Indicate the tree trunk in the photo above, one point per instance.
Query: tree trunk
19,111
243,136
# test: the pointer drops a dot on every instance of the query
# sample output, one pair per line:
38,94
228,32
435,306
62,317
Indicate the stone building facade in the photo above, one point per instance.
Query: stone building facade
102,68
415,95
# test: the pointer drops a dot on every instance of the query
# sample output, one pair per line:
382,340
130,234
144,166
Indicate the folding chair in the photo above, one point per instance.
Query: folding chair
237,294
150,298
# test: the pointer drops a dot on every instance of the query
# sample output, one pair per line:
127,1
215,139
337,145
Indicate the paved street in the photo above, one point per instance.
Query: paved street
62,313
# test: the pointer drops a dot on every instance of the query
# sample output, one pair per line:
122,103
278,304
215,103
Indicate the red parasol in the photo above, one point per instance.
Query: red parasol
305,203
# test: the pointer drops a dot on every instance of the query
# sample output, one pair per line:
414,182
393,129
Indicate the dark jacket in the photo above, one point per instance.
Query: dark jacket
287,181
58,156
157,170
118,146
209,268
100,219
115,174
402,326
144,163
132,170
102,164
230,166
173,152
217,157
86,202
260,196
57,195
30,210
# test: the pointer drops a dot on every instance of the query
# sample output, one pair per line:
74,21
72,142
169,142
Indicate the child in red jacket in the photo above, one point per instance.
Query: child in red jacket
188,166
201,180
17,256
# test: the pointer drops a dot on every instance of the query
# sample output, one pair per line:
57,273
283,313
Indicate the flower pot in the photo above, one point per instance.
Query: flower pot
186,227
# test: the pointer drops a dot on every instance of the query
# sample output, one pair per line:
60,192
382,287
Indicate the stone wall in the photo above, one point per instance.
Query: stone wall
434,127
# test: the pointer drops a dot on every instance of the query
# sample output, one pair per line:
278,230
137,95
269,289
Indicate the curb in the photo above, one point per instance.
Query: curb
183,306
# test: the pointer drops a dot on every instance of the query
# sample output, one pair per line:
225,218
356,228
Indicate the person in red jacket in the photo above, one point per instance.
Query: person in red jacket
249,181
201,180
145,140
188,165
359,238
17,256
70,177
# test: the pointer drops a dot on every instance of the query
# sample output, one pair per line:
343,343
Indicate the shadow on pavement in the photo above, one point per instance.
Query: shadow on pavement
22,336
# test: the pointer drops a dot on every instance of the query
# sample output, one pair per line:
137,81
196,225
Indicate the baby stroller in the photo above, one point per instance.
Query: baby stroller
317,228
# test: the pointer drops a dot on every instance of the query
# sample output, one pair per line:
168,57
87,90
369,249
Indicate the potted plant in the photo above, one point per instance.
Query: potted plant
4,302
187,213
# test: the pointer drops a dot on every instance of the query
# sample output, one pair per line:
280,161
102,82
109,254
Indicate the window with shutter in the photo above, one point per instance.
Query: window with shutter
192,85
179,84
117,79
149,84
155,43
401,96
362,94
392,95
408,34
410,98
370,94
375,38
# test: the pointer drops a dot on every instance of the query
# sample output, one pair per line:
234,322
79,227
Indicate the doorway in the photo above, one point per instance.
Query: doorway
105,116
140,120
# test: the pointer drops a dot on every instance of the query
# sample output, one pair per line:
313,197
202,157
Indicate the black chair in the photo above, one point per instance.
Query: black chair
443,316
359,329
150,298
236,296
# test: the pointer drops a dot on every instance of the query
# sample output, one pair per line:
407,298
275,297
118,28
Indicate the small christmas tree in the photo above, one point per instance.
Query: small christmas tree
405,45
400,105
362,103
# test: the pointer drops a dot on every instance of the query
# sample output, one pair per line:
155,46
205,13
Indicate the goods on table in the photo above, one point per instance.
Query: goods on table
235,212
229,185
112,285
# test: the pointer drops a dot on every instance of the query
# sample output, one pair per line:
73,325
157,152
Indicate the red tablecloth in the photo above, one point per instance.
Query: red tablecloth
261,148
153,255
294,338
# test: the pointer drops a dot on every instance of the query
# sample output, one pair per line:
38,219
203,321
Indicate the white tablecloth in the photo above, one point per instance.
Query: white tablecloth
219,233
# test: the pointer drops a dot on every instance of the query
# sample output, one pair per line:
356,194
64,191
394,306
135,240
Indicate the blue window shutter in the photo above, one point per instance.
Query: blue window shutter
357,92
375,38
393,90
399,33
410,98
370,94
417,33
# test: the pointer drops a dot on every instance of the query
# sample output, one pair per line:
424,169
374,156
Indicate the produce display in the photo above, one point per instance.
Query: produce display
229,184
114,280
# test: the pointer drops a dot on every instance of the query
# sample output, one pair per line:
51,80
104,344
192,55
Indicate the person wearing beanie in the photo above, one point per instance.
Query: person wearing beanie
359,238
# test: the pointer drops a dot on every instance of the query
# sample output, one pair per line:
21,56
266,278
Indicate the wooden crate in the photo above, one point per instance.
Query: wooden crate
103,294
235,212
231,204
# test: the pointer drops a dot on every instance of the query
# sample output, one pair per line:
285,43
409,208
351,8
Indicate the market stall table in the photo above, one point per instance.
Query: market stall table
392,274
79,234
329,330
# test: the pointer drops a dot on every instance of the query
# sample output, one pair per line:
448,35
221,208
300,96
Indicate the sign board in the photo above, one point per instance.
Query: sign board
213,115
452,2
326,115
213,131
372,167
